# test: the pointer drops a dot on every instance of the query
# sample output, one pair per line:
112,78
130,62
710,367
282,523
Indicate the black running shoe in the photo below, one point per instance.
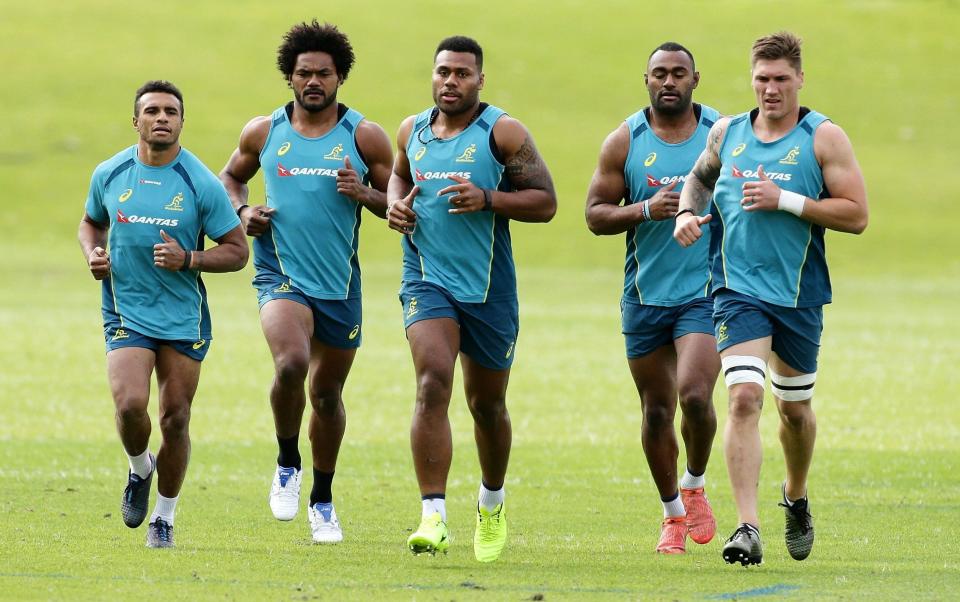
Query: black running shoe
159,534
744,546
798,530
136,497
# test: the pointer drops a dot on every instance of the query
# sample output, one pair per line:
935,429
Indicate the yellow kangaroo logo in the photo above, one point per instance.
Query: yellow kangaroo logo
120,334
791,157
174,204
467,155
335,153
412,308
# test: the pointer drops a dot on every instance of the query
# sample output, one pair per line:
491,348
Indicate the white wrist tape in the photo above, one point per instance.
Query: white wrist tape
791,202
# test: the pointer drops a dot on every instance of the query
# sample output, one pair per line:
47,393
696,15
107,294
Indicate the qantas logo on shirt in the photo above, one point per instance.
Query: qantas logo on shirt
752,173
143,219
283,172
422,176
653,182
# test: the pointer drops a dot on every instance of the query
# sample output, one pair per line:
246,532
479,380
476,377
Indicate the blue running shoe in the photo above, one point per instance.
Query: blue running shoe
136,497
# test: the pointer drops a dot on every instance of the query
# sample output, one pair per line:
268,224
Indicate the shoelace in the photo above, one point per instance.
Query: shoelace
486,525
163,530
743,530
800,513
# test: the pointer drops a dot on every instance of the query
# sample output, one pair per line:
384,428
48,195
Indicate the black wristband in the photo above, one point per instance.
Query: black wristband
487,200
241,208
187,257
682,211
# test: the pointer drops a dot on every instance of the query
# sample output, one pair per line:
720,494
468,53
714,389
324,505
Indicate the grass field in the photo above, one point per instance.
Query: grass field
584,513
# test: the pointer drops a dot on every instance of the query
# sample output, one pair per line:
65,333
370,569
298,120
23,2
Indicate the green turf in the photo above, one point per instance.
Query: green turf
583,509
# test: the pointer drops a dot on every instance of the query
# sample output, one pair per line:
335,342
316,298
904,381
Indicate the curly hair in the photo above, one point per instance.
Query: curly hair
156,85
781,45
313,37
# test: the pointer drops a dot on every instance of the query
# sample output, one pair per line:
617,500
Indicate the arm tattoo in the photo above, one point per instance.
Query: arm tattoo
526,169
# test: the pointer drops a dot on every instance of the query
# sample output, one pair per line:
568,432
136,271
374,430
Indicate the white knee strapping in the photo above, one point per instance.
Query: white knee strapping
793,388
743,369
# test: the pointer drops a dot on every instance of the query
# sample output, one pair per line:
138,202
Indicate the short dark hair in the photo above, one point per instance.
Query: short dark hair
313,37
780,45
461,44
673,47
156,85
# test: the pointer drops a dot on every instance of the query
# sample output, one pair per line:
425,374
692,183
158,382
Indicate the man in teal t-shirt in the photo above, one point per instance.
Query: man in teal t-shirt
666,308
463,170
147,213
778,176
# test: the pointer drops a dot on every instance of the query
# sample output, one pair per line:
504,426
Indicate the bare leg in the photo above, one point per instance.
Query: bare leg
654,376
434,344
128,371
697,367
798,433
741,445
177,377
288,328
486,392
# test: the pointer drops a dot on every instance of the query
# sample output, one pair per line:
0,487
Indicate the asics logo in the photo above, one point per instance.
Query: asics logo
126,195
283,149
650,160
353,333
200,343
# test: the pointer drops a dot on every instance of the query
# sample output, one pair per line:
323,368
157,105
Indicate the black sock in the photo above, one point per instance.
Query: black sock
321,494
693,474
434,496
289,456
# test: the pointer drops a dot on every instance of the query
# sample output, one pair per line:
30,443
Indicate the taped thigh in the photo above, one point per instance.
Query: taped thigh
743,369
793,388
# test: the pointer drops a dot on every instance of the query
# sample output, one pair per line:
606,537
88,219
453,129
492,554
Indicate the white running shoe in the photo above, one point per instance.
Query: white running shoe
285,493
324,523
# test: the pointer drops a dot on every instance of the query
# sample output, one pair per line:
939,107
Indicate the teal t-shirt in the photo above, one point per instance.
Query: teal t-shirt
184,199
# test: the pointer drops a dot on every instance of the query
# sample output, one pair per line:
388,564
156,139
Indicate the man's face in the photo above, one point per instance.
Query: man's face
456,82
159,119
315,81
670,80
777,86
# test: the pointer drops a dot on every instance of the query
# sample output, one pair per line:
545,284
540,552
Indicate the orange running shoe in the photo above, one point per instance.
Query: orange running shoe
700,519
673,536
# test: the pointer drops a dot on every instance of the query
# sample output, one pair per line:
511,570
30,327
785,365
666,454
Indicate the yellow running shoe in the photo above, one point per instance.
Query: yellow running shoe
491,533
430,537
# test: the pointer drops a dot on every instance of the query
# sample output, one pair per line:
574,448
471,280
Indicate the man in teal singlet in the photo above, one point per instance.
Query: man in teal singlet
322,164
779,176
147,213
666,306
463,170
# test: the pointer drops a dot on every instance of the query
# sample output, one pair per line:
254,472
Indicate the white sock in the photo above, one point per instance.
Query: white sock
141,465
674,507
488,499
435,504
164,508
688,481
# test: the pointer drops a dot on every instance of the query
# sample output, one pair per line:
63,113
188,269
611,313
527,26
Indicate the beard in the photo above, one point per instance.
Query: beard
315,107
462,105
672,108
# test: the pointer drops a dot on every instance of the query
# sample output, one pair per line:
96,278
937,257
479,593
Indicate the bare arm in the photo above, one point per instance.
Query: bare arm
605,214
92,236
533,198
698,188
845,210
240,168
230,254
400,188
608,188
374,143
